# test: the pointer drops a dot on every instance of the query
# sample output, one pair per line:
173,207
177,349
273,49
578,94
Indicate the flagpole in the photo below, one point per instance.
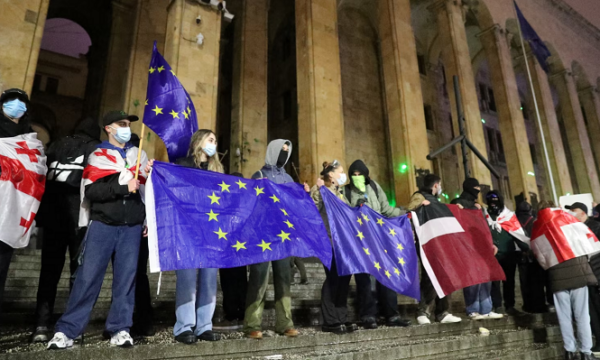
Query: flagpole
537,110
139,156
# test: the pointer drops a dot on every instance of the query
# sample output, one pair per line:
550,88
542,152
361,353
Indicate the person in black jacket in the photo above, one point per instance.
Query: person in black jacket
59,216
117,215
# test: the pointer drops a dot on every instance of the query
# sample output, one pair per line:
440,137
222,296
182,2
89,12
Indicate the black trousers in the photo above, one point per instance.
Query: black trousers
509,264
594,300
367,303
6,253
144,314
533,285
334,297
234,283
55,243
299,263
429,298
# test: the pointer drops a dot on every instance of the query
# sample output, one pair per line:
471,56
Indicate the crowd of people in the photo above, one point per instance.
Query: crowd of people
116,233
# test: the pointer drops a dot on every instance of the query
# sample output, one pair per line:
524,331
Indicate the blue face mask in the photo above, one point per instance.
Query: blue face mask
14,108
123,134
210,149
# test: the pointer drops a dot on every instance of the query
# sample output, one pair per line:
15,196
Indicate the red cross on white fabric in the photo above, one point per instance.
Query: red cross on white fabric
25,150
104,152
27,223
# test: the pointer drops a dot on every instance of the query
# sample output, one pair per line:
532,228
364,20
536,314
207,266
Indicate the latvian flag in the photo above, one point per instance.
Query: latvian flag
507,221
456,247
105,162
558,236
22,183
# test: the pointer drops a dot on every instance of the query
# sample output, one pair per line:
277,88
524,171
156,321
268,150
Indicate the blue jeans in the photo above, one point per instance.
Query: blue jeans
195,300
569,304
103,242
478,298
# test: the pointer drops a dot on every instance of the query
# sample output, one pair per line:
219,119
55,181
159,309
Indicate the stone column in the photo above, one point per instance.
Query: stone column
579,142
457,61
22,27
249,97
554,144
590,102
406,119
320,119
510,116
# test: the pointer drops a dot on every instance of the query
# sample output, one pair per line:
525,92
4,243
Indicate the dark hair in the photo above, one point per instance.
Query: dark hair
327,168
545,204
429,181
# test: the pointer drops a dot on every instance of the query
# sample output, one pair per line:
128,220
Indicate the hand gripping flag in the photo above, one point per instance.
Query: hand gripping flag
539,49
169,110
557,237
366,242
22,183
456,247
203,219
105,162
507,221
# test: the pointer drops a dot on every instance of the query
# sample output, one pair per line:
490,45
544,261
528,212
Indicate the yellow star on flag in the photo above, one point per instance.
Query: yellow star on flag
397,271
380,222
212,216
259,190
387,273
146,103
175,114
238,245
224,187
222,235
151,70
392,232
241,184
265,246
189,110
366,251
400,247
157,110
274,198
214,198
401,261
185,115
284,212
161,69
359,220
360,235
173,72
289,224
377,266
284,236
366,218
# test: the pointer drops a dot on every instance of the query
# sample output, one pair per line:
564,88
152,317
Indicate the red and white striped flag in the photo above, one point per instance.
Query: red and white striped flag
507,220
22,183
558,236
105,162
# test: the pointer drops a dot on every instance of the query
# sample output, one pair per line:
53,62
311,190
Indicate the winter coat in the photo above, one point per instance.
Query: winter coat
504,241
571,274
9,128
525,217
376,201
417,199
467,201
315,194
271,171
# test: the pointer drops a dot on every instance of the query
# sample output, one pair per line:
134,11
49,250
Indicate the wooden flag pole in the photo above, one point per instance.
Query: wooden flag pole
139,156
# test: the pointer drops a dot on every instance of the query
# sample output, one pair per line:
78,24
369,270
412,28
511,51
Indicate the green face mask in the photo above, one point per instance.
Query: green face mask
359,182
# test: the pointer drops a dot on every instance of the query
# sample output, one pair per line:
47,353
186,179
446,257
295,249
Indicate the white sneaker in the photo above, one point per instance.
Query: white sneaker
476,316
448,319
492,315
122,339
60,341
423,320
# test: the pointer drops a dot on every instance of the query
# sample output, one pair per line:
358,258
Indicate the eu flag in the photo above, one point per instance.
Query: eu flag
169,110
539,49
366,242
203,219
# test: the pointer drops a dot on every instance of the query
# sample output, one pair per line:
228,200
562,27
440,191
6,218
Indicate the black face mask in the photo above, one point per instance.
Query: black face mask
494,209
282,159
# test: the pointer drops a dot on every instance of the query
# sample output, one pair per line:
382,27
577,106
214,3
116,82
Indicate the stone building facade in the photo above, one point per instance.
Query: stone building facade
350,79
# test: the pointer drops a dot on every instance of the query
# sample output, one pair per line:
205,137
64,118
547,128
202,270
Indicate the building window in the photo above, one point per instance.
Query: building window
428,117
525,111
422,64
37,82
286,104
52,86
286,48
491,100
500,149
533,154
487,101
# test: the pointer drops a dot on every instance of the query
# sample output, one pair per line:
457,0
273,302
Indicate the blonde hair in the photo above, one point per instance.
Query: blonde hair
214,164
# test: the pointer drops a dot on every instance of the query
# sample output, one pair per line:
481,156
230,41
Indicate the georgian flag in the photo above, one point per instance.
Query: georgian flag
106,162
507,220
558,236
456,247
22,183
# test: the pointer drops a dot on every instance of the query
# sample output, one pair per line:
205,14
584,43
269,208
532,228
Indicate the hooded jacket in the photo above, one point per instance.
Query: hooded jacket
270,170
315,194
9,128
376,200
525,217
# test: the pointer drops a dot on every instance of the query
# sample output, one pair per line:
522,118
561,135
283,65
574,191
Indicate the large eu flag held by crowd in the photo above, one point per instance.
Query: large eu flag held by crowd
366,242
203,219
169,110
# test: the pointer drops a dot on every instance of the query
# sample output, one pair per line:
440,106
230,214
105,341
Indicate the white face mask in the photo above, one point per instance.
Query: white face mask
342,180
439,191
210,149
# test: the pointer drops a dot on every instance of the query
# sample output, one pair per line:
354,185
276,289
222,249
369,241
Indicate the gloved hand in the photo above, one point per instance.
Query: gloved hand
361,202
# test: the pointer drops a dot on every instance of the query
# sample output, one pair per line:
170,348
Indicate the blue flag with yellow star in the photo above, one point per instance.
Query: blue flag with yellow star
367,242
203,219
169,110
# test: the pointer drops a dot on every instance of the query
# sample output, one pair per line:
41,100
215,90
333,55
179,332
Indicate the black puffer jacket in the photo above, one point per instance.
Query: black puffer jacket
9,128
467,200
572,274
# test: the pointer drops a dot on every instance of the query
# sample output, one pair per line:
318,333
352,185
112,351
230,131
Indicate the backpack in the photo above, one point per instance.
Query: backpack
348,190
67,159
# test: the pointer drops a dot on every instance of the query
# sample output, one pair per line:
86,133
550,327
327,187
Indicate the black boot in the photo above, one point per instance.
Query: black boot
338,329
369,323
569,355
186,337
397,321
588,356
209,335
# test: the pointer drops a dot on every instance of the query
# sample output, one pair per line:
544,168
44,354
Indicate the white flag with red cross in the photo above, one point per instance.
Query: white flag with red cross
22,183
558,236
508,221
105,162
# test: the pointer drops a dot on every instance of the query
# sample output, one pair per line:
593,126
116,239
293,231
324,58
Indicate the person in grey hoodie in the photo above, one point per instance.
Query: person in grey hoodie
278,154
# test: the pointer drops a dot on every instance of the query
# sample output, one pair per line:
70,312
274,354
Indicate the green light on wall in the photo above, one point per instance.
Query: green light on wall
457,196
568,194
403,168
531,173
483,121
521,108
446,196
392,203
